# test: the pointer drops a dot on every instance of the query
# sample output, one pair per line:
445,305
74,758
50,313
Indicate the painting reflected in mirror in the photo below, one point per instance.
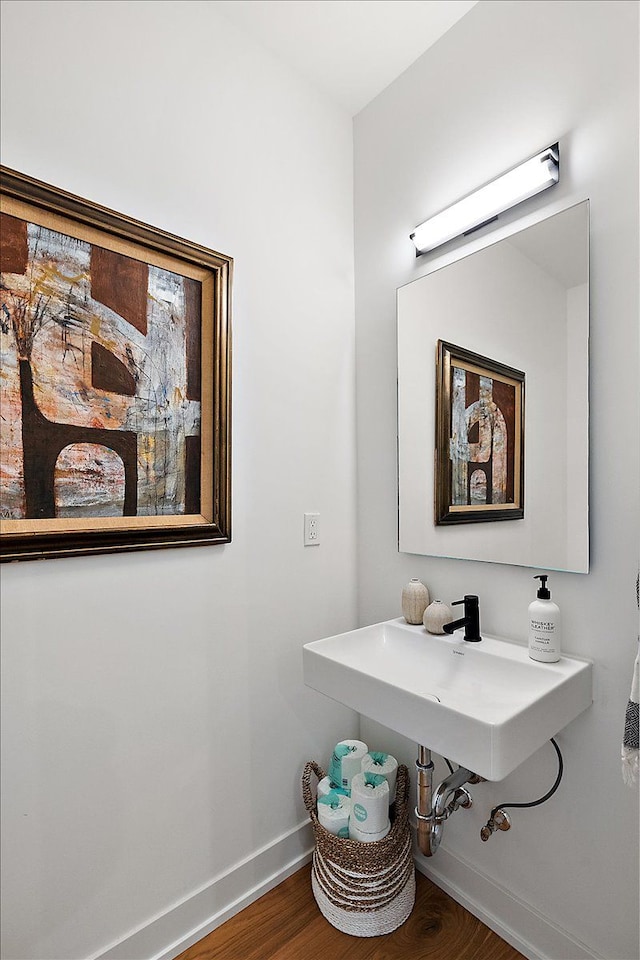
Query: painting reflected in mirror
479,438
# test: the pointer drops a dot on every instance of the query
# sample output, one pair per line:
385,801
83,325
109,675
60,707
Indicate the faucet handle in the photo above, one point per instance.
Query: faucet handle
469,598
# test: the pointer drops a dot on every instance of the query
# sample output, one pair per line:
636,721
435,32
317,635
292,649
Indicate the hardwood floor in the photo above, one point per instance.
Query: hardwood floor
286,924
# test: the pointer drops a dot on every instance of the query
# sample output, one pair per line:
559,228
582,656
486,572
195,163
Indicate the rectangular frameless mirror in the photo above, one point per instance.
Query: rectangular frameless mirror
520,304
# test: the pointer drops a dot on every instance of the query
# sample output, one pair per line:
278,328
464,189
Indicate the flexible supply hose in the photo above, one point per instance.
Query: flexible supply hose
548,794
499,820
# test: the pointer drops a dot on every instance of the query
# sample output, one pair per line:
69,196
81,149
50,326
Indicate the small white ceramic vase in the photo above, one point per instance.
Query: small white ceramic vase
436,615
415,600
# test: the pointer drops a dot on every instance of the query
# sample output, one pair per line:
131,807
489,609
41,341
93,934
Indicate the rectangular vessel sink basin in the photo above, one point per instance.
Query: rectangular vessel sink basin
487,706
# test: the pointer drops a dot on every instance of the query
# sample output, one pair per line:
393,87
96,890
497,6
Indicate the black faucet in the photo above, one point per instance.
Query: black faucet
470,621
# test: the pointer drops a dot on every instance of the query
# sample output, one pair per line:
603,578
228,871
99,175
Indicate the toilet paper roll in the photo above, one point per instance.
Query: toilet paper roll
346,761
355,833
385,764
325,786
333,813
370,802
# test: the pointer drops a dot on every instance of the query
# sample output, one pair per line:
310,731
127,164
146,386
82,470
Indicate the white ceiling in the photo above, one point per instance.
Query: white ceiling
351,49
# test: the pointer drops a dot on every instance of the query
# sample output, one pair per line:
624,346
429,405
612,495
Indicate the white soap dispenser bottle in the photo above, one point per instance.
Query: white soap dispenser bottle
544,625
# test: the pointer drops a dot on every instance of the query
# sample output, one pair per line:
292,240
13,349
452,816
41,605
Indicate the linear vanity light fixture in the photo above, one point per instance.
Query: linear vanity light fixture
484,205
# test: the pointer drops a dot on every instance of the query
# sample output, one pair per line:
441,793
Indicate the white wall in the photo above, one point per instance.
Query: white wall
155,720
507,80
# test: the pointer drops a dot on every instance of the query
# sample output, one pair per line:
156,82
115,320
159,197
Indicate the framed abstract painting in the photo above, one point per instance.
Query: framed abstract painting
115,381
479,459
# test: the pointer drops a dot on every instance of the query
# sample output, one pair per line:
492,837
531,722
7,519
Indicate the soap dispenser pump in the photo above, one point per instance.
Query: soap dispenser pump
544,625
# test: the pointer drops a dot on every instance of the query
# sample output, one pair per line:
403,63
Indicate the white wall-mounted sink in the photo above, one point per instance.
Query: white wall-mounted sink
487,706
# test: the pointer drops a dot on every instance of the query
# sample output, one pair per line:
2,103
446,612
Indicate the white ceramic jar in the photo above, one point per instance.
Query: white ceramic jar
436,615
415,600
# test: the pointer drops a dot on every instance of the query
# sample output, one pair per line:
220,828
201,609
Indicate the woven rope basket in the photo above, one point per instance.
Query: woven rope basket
364,889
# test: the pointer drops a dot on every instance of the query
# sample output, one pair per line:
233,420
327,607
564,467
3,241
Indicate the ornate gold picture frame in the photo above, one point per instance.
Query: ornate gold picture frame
115,381
479,460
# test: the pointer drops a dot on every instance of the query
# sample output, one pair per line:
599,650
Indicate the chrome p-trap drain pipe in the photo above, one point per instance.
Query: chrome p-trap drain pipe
434,808
424,770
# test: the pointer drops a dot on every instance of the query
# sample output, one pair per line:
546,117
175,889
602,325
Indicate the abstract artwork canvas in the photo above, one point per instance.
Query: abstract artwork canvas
114,380
479,438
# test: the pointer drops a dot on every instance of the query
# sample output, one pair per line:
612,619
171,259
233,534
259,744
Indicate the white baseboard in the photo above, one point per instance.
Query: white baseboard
168,934
526,929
